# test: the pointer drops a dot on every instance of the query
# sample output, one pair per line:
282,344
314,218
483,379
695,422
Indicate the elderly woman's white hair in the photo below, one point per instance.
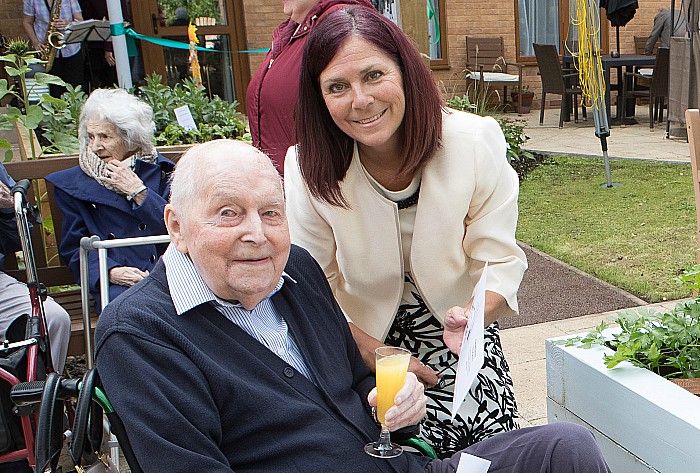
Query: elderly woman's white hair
132,117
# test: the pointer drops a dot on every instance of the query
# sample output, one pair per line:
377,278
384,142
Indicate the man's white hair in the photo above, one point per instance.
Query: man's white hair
190,174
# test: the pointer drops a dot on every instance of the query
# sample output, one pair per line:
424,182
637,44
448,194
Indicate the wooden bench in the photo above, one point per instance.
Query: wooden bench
51,270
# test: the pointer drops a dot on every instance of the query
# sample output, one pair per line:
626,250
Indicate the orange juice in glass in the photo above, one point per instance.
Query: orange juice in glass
391,367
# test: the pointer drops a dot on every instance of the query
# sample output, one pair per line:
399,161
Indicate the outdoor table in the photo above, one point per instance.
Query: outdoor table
628,61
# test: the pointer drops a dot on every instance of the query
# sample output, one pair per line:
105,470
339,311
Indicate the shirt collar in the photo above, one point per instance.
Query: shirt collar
187,288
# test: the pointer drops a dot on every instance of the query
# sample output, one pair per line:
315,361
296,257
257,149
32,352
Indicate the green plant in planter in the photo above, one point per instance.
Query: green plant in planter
215,118
60,126
18,60
666,343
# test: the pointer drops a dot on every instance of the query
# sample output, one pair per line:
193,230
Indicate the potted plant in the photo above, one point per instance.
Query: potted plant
617,381
522,95
666,343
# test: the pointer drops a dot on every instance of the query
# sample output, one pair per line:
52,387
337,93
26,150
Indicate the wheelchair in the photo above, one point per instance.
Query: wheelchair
91,402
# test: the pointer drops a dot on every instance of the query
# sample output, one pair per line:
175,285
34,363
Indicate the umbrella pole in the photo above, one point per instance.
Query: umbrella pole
606,160
602,131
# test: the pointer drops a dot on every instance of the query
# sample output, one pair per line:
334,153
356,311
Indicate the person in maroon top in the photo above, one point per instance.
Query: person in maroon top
272,92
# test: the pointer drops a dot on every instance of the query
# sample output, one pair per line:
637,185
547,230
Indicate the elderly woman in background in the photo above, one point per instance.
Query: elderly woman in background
119,190
403,202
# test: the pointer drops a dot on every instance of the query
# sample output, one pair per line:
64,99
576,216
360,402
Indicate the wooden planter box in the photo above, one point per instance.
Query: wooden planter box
642,422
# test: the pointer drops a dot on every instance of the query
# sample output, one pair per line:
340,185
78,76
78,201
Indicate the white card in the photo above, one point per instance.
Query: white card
184,118
471,464
471,355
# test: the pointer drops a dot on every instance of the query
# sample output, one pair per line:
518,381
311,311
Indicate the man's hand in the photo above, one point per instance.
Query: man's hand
455,324
409,404
126,275
6,201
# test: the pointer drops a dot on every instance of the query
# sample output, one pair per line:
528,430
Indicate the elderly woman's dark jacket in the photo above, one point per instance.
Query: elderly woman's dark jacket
91,209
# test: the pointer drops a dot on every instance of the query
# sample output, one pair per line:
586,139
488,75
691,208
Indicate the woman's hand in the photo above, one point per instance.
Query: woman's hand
425,374
456,322
126,181
409,404
456,319
6,200
126,275
367,344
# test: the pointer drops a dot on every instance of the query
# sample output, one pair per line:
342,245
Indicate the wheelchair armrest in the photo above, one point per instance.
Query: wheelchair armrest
421,446
405,432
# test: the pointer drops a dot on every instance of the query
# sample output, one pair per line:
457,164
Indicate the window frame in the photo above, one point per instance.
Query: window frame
443,62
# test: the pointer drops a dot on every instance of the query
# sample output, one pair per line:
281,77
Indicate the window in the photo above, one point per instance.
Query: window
436,29
548,22
437,32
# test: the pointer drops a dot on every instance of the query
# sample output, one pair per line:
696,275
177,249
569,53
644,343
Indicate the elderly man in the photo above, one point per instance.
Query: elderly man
232,355
662,29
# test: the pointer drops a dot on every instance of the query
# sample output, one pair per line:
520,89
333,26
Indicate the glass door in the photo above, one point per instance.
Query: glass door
224,73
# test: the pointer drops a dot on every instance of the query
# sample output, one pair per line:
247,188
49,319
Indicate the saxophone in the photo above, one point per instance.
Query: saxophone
53,40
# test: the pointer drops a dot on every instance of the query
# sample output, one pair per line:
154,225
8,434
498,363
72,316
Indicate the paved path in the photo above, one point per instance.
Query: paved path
578,139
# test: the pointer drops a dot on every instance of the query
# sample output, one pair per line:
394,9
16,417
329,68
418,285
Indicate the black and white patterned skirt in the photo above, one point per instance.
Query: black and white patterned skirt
488,409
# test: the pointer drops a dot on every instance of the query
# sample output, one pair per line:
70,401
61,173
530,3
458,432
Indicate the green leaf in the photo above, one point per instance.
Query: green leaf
5,144
12,113
34,116
8,155
53,100
43,78
12,71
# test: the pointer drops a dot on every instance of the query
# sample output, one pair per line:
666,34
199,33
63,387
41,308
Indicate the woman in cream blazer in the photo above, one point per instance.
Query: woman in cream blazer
402,250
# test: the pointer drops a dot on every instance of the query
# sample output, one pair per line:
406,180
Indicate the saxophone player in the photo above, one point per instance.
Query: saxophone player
39,18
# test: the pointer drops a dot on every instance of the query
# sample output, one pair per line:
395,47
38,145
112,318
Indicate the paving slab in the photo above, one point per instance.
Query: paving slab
578,139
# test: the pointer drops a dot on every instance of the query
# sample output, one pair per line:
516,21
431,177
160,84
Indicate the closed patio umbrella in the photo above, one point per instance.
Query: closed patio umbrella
619,13
590,70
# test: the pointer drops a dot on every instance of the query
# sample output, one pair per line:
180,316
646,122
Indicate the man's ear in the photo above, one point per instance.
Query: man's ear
174,225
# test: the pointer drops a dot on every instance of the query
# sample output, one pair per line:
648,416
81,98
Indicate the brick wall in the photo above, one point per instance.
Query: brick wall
11,18
261,18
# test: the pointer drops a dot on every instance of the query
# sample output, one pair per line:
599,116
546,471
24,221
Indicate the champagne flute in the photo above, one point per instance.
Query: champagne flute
392,366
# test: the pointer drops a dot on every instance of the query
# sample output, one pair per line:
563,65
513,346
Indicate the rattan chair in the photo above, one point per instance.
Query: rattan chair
657,91
555,80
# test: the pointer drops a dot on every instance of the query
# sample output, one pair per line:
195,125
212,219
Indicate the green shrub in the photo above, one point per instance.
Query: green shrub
666,343
215,118
59,130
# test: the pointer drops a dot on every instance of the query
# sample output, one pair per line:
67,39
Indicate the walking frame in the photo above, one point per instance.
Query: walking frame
25,355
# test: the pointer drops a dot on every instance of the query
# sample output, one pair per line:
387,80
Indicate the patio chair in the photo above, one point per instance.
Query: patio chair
486,65
640,43
555,80
657,91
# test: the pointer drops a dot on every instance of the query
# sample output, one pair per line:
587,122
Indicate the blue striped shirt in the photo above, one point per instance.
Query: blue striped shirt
264,323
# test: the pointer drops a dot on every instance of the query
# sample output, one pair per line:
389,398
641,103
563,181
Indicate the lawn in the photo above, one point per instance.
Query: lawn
637,236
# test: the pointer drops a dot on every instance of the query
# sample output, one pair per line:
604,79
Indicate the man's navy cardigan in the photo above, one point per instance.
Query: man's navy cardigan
196,393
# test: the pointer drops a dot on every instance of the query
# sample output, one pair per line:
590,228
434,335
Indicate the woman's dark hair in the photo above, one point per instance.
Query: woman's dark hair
325,152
